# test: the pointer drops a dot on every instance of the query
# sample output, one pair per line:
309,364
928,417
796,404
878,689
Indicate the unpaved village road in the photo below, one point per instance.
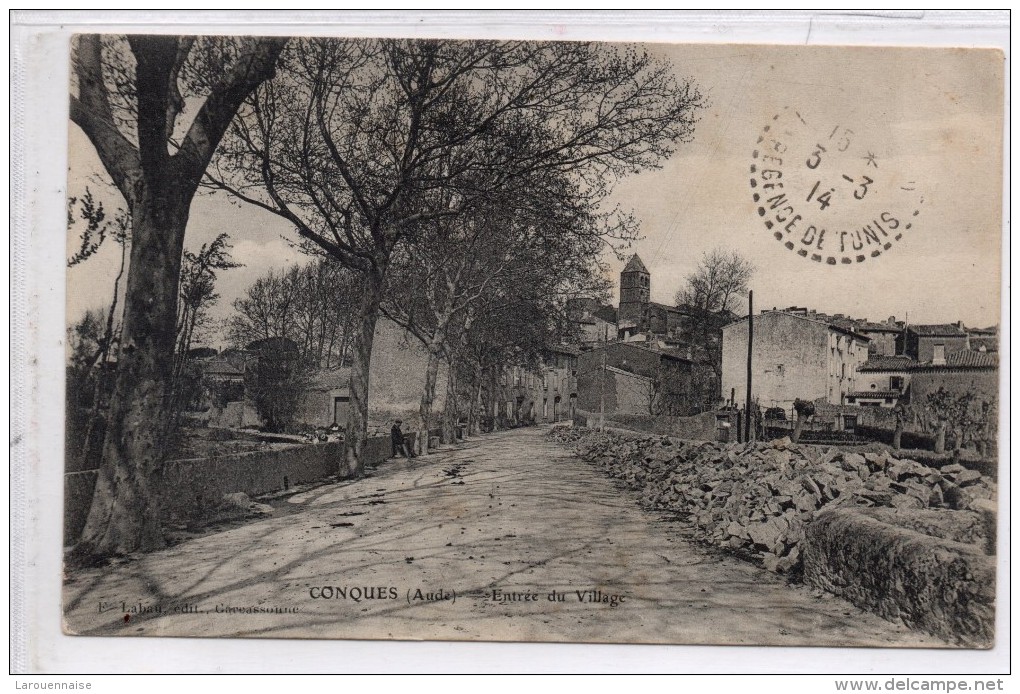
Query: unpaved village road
512,512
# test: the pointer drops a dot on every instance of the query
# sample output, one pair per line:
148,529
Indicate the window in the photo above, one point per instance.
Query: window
938,354
896,383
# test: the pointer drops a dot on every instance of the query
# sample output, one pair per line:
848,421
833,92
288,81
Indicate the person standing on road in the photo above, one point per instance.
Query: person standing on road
397,441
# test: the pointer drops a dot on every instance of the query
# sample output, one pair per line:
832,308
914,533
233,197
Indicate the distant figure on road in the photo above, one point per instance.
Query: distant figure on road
397,441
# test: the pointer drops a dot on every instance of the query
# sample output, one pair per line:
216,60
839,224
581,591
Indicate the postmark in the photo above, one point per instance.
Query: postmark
828,191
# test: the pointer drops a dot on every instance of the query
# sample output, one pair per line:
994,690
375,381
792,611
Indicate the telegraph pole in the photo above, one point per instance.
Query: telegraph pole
602,379
750,342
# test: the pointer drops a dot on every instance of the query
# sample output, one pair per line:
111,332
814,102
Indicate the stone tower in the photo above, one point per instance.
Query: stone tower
634,288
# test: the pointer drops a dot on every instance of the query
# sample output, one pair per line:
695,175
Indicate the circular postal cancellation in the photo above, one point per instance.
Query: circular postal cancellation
829,191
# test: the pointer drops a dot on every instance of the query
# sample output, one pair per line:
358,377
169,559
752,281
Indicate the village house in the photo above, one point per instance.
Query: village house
883,337
889,381
933,343
983,339
793,357
593,322
661,359
632,378
881,381
396,380
546,395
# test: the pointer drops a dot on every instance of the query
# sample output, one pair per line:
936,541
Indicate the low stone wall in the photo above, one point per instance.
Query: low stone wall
937,584
701,427
190,488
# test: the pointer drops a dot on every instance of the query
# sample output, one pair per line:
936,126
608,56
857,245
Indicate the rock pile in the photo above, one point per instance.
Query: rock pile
756,498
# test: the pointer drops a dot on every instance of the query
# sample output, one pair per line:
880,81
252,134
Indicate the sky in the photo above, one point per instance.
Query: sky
932,119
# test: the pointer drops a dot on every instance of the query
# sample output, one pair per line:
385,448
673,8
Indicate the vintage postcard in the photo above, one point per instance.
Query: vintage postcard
546,341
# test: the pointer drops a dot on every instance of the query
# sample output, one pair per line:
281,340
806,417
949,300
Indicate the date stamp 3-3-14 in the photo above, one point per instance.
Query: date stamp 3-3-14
825,194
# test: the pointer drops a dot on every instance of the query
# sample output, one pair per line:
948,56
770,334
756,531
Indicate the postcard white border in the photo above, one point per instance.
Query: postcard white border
38,169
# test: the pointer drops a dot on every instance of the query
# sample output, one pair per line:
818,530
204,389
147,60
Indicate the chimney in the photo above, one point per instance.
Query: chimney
892,320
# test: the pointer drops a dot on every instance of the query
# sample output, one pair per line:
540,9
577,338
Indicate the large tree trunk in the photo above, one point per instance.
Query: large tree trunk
158,188
428,398
940,438
124,516
449,430
353,464
898,434
491,405
474,424
798,427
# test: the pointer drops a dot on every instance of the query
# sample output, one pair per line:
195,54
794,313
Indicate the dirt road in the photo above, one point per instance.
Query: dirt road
509,537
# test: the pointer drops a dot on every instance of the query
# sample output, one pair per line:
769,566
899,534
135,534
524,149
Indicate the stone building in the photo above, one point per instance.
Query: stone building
934,342
632,378
539,395
593,322
882,336
888,381
635,288
885,338
882,381
396,381
793,357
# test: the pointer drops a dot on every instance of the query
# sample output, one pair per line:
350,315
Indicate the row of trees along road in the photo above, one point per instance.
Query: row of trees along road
365,146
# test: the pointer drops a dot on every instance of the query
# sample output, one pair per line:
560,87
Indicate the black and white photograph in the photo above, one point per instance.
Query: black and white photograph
551,341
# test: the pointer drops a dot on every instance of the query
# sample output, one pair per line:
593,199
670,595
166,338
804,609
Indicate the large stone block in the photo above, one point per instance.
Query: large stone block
944,587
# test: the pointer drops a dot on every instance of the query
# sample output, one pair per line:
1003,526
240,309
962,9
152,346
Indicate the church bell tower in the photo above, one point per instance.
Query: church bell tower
634,292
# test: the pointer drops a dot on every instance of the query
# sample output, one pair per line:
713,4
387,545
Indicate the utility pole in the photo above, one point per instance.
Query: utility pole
602,379
750,342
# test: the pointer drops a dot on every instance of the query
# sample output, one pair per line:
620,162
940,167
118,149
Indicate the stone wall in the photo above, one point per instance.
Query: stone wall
942,585
191,488
702,427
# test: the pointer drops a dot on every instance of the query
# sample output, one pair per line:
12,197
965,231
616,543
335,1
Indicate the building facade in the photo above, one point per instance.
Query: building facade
632,378
889,381
934,343
793,357
592,322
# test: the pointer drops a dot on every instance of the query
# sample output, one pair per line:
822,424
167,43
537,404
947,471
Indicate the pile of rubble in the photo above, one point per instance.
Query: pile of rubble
756,498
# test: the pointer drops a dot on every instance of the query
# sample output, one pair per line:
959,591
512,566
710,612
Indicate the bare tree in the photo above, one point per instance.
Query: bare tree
362,143
314,306
129,96
198,294
708,297
720,279
99,227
